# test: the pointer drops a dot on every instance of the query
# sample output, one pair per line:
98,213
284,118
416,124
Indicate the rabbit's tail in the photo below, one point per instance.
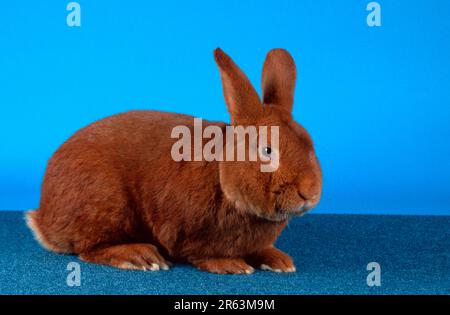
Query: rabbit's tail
32,220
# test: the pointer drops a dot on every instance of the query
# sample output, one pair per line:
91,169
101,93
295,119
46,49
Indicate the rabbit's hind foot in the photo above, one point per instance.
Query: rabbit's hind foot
128,256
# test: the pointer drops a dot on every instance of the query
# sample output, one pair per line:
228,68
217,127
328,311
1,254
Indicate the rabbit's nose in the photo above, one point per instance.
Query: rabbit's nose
309,187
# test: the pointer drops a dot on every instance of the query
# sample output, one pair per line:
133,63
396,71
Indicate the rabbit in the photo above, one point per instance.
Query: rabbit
113,195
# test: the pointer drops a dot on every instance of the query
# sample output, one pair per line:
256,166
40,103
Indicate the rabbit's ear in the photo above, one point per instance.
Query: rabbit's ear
241,98
278,79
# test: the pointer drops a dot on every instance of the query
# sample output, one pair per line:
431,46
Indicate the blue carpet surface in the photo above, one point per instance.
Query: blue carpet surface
331,253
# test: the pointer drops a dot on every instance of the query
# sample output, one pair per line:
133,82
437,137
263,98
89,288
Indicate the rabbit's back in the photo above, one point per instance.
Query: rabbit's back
107,182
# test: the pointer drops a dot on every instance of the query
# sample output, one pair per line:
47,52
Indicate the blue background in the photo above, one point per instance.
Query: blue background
376,100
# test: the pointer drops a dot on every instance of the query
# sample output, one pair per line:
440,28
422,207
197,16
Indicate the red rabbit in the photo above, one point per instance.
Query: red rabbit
113,195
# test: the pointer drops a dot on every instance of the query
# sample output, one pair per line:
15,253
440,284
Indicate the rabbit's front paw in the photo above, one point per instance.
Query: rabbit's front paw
272,259
224,266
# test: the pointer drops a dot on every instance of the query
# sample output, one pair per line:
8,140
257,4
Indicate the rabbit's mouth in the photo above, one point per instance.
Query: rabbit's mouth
290,213
283,214
298,212
277,217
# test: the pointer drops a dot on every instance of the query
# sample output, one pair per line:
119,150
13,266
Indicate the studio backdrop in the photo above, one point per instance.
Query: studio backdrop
373,85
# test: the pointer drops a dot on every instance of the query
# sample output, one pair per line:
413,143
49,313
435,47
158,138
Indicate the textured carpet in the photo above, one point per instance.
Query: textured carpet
331,253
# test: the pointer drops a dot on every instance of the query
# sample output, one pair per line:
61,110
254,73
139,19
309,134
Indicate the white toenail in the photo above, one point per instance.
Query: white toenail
165,267
265,267
154,267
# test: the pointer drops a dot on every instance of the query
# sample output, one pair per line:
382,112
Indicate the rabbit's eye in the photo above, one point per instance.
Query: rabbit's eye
267,151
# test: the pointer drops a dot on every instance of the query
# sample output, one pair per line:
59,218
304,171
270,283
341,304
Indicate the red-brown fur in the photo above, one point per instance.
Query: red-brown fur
113,195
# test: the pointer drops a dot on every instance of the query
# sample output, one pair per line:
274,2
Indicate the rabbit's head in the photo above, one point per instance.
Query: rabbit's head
293,181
